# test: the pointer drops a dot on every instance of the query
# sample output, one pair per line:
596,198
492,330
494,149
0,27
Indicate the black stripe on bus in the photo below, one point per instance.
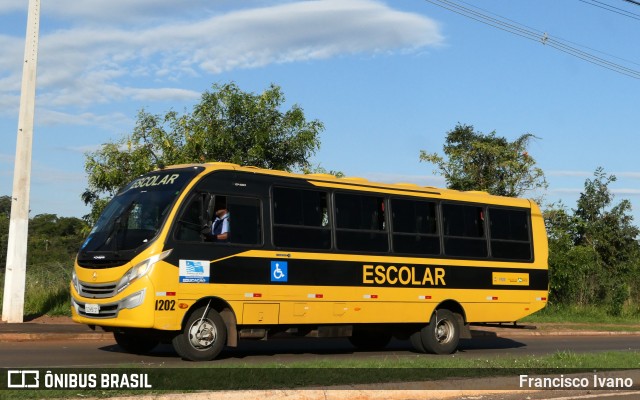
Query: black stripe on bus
258,271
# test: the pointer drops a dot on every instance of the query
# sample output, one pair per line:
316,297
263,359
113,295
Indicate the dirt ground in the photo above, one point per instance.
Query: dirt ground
46,319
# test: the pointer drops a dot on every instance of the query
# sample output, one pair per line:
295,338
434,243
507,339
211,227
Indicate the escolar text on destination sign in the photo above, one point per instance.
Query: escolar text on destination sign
154,180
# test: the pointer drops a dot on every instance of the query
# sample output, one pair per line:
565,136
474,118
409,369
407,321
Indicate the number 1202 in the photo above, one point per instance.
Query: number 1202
165,305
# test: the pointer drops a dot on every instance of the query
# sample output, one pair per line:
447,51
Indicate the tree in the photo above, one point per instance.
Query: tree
487,162
52,239
227,125
610,232
594,254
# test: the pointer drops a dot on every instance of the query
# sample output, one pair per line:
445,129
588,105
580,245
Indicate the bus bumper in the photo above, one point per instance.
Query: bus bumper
134,310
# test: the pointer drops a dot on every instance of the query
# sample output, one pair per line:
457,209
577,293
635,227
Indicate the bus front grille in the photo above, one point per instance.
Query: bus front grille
97,291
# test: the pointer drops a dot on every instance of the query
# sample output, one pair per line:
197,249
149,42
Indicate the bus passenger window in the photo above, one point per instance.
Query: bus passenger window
414,226
301,219
510,239
464,231
360,223
245,226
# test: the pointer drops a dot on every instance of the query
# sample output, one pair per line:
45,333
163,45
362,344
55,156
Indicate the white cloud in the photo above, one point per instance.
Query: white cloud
7,6
589,174
51,118
83,64
126,11
618,192
626,192
578,174
628,175
46,174
565,190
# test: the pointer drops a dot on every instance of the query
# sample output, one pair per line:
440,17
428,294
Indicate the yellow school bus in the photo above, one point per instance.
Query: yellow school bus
302,255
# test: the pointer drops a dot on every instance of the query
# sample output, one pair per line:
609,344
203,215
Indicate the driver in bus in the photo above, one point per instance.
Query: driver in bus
220,227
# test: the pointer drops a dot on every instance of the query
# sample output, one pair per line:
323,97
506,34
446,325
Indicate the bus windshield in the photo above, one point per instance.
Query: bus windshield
136,214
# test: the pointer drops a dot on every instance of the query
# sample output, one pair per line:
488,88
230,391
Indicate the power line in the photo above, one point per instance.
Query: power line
523,31
543,33
632,2
611,8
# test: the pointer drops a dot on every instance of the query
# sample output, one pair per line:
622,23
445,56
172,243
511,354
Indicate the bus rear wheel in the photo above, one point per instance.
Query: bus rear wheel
442,334
135,343
416,341
203,336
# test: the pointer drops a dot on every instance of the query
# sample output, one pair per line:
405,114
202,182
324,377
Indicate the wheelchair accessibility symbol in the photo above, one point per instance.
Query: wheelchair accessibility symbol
279,271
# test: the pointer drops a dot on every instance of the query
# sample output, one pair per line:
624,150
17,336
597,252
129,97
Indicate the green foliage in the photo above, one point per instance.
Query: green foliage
46,289
227,125
594,253
51,249
487,162
52,239
318,169
592,317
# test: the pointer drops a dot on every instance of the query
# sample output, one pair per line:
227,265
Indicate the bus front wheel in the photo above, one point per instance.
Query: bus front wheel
442,334
203,336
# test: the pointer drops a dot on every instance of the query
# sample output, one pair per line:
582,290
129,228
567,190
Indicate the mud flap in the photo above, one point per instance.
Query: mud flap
465,331
229,319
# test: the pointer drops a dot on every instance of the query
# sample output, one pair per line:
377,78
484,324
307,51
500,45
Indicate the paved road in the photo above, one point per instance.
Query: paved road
71,353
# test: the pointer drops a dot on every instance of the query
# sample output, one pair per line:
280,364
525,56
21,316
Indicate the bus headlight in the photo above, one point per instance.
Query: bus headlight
134,300
140,270
74,281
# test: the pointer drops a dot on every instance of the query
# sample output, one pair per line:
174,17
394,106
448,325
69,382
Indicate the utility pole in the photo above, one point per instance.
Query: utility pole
15,273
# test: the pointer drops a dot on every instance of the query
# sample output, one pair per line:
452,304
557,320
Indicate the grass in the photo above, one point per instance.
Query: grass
457,365
46,290
594,315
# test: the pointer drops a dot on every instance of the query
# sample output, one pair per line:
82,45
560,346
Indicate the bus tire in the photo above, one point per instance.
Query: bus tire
201,339
416,342
442,334
135,343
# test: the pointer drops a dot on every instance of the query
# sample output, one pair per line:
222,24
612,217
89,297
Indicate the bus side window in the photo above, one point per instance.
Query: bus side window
509,230
414,225
360,223
301,219
464,231
245,225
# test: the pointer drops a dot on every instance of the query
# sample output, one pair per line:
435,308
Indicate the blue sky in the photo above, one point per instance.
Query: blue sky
387,78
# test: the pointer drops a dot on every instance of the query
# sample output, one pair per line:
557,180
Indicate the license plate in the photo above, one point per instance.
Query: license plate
92,308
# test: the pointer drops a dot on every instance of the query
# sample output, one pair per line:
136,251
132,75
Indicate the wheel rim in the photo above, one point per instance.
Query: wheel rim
444,331
202,334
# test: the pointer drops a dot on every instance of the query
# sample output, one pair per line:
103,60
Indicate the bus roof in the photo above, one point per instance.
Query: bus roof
328,180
